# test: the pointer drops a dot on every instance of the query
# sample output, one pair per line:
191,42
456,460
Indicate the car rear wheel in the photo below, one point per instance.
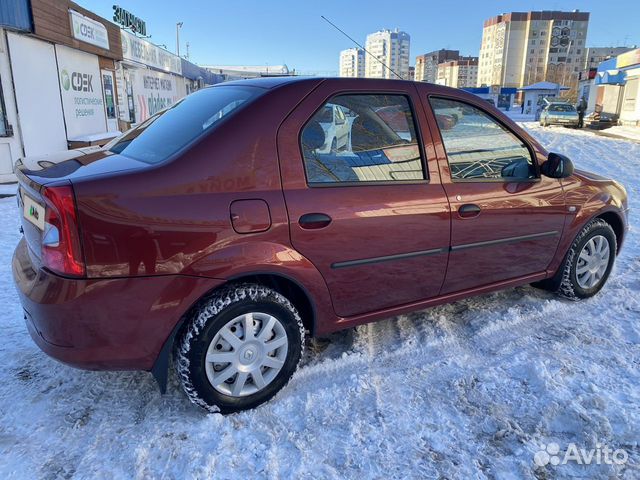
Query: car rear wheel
240,347
589,261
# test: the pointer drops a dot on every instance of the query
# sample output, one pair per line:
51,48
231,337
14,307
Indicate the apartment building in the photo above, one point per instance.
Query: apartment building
352,62
427,64
522,48
390,47
461,73
596,55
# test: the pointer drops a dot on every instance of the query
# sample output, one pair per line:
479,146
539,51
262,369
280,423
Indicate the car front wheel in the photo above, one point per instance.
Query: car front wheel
589,261
240,347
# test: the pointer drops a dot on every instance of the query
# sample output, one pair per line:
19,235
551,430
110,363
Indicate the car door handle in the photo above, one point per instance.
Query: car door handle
469,210
312,221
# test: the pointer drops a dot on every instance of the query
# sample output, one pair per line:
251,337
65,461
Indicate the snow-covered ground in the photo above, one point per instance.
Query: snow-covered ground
632,133
467,390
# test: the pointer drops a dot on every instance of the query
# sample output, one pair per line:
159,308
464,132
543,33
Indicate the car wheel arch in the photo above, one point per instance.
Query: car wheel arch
614,219
286,285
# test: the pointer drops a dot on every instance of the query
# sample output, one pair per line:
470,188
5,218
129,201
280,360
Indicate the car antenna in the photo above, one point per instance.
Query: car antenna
360,46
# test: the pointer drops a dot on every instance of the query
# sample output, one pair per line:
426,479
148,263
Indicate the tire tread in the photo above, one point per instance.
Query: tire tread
209,308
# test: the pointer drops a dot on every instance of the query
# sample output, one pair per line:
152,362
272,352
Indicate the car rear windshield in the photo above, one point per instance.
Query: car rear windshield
562,108
163,134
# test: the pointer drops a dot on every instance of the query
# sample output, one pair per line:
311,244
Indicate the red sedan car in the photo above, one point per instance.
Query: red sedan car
221,231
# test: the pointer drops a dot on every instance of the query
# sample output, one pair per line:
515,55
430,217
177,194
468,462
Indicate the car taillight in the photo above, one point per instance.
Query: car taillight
61,251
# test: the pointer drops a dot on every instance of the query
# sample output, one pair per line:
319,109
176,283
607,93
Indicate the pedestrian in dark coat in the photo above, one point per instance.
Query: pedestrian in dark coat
581,109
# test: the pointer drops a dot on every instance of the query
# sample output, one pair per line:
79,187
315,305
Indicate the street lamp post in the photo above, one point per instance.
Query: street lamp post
178,27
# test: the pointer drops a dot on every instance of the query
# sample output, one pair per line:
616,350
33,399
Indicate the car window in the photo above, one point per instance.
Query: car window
160,136
325,115
478,147
562,108
374,140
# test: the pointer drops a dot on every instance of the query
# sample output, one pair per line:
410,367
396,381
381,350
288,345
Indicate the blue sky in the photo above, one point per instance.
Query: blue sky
259,32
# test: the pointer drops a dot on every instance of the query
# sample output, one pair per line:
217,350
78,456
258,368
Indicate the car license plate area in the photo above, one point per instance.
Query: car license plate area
33,211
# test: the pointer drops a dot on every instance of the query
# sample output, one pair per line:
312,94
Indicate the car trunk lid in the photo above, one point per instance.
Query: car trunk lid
48,206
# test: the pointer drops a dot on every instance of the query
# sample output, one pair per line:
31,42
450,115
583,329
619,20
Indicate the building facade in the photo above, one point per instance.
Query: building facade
57,78
390,48
149,79
596,55
427,64
352,63
70,78
617,88
461,73
521,48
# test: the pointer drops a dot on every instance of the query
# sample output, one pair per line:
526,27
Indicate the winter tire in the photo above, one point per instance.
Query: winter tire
589,261
239,348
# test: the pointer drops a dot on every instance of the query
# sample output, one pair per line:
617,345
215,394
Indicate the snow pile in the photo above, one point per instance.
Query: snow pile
466,390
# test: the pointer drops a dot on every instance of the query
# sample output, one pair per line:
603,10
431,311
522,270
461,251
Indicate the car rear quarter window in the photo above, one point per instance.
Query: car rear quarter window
362,138
162,135
480,149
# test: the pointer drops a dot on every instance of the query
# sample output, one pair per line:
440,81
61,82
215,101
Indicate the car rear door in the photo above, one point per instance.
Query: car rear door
373,218
506,218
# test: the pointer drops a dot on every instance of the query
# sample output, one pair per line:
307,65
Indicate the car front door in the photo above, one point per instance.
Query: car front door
506,219
374,218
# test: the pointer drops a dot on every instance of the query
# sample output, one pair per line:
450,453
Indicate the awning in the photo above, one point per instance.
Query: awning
611,77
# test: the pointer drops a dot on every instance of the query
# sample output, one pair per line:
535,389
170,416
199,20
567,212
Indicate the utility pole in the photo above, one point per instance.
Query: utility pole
187,56
178,27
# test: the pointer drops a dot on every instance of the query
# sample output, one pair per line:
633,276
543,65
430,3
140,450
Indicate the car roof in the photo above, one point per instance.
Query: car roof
273,82
268,82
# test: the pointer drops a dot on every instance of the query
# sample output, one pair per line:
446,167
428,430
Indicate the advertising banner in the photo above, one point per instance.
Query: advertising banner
81,89
154,91
141,51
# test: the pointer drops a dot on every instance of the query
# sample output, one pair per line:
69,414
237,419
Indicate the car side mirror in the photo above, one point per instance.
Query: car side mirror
557,166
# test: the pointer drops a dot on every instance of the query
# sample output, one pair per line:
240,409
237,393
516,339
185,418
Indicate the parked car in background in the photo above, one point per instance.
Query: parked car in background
559,114
222,232
336,126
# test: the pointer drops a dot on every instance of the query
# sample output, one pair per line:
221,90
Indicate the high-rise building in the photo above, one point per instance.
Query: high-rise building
390,48
352,62
459,73
427,64
596,55
521,48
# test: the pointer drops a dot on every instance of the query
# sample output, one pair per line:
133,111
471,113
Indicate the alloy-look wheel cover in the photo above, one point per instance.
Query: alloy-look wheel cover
246,354
593,262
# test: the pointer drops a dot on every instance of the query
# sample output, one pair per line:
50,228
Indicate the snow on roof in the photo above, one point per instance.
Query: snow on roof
544,86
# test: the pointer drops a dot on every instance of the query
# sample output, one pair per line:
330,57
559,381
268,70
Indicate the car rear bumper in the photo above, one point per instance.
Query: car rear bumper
103,324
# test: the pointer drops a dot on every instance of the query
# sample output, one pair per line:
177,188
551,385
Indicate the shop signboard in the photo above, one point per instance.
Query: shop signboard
129,20
88,30
141,51
153,91
81,91
628,58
